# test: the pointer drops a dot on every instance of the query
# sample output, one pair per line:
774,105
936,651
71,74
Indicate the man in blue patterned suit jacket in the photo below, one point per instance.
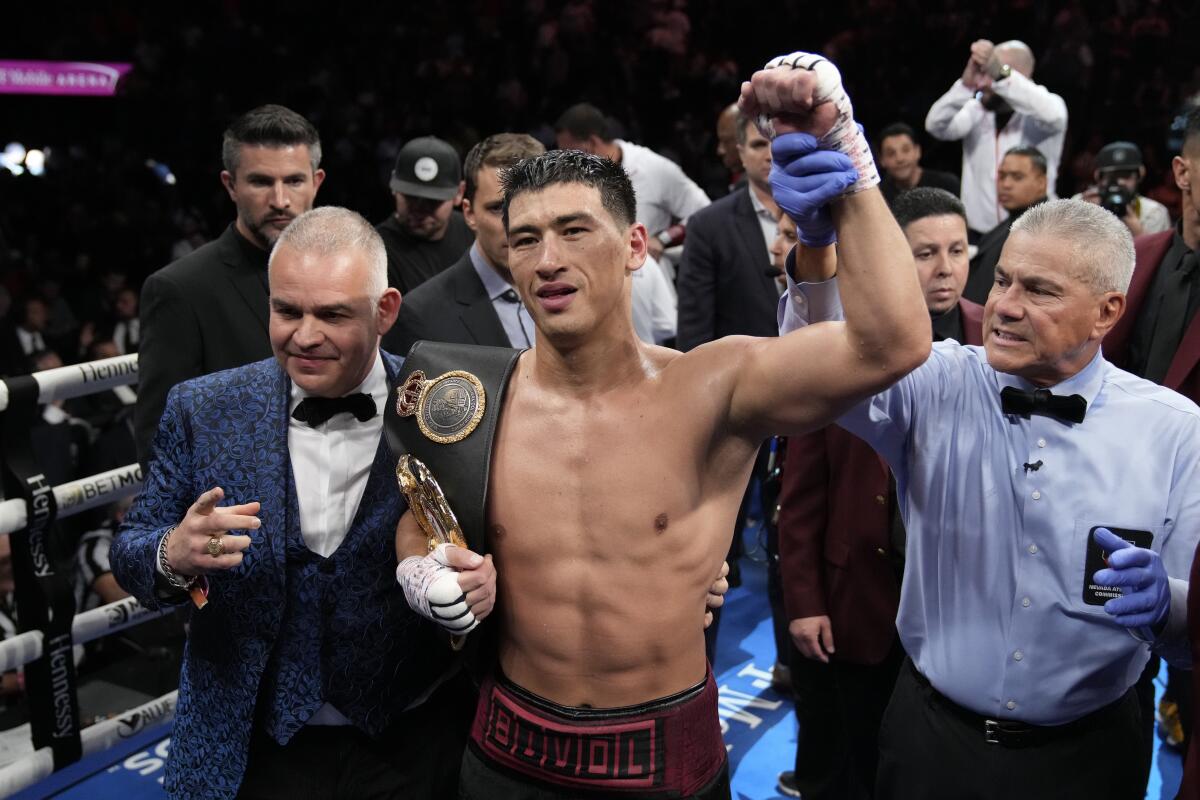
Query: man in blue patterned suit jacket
306,673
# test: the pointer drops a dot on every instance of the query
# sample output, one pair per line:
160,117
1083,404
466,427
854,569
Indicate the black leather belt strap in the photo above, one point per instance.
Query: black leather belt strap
43,594
460,468
1013,734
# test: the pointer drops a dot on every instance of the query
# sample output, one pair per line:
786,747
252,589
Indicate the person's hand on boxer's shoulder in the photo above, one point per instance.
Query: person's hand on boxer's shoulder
188,543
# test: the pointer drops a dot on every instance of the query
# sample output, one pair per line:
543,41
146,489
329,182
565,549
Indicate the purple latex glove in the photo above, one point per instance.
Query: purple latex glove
1140,572
804,180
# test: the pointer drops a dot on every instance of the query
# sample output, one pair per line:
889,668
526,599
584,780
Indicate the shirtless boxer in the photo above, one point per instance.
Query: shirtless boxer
618,467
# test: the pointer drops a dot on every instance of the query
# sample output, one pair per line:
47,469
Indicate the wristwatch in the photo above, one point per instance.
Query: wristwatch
182,582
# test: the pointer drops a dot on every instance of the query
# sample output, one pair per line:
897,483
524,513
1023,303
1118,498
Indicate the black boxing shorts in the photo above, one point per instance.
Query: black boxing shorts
667,748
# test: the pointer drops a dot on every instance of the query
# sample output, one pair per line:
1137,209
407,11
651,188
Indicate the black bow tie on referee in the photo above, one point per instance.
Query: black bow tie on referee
1068,408
315,410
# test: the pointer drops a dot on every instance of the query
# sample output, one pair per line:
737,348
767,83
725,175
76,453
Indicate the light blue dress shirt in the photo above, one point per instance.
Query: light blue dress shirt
991,608
518,325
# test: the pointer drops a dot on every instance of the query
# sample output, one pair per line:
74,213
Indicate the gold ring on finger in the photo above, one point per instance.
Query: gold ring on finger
215,548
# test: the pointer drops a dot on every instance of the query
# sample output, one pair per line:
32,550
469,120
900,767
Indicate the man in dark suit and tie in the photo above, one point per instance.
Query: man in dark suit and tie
841,544
208,311
272,501
473,301
726,283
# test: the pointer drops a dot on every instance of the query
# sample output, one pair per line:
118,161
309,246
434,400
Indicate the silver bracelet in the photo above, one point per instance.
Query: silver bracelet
174,578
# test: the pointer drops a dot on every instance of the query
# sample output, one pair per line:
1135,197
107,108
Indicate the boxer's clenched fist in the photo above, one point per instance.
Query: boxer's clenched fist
451,586
191,549
803,93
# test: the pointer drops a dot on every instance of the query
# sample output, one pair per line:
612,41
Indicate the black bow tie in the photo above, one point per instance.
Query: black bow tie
1068,408
315,410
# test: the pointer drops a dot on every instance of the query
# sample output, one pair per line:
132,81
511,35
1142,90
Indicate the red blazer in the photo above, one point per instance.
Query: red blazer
835,550
1184,373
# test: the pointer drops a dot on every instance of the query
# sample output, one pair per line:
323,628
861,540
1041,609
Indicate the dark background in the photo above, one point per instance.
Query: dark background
371,76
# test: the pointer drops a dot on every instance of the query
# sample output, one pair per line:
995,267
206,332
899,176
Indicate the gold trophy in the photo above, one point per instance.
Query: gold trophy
432,512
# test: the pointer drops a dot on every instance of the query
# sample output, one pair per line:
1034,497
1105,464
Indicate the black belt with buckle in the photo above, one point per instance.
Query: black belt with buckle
1013,734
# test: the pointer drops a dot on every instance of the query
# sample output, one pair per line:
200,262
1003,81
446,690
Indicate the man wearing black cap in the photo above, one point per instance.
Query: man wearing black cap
1119,172
426,234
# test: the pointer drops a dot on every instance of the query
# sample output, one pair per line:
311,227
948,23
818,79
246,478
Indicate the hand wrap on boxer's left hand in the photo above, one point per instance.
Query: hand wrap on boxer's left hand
431,588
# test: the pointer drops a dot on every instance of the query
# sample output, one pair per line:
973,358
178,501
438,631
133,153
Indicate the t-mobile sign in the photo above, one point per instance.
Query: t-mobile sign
61,77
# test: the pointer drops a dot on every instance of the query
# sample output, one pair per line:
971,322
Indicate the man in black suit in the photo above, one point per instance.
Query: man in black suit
208,311
1021,183
473,302
726,280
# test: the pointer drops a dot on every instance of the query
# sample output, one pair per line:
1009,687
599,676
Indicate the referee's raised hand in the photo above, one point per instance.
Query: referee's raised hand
202,542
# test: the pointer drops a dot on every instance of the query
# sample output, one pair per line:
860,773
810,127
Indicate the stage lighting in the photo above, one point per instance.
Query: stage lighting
35,162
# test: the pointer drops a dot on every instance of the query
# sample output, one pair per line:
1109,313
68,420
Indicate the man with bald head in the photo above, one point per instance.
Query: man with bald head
727,147
272,503
994,107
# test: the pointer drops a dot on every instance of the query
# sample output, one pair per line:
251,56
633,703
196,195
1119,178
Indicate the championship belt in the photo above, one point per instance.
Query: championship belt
440,426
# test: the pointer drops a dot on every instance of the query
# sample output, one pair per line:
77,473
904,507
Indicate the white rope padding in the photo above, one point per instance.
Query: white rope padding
86,627
77,380
75,497
20,650
94,738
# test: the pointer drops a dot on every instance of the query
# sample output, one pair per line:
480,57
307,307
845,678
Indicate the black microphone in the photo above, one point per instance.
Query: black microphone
773,272
1034,467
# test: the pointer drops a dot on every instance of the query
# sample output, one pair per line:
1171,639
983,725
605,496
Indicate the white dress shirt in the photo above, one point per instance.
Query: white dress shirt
655,307
766,220
1039,120
664,192
514,317
330,464
31,341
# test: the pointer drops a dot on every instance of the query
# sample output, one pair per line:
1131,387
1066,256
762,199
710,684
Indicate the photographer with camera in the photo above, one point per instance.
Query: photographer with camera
1119,172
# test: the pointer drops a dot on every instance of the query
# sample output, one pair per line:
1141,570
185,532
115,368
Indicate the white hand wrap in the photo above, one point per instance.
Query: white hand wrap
845,136
431,587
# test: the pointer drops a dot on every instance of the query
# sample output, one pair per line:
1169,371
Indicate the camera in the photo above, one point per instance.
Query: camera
1116,198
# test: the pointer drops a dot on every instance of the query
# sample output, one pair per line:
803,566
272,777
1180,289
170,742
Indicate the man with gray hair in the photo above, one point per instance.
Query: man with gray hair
272,504
207,311
994,107
1052,507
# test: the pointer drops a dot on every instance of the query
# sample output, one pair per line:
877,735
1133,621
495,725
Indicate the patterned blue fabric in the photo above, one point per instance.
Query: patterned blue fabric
335,629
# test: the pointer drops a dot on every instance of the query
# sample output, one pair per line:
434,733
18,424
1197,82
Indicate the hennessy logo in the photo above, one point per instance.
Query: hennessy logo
100,371
39,504
60,688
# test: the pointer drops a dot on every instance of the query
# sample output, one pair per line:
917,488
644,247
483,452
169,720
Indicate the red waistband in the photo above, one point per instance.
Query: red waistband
672,745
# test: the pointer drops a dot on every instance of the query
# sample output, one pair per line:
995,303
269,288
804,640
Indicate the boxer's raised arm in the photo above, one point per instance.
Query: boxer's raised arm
825,179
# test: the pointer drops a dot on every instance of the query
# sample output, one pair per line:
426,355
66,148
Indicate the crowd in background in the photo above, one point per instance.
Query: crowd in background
131,181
